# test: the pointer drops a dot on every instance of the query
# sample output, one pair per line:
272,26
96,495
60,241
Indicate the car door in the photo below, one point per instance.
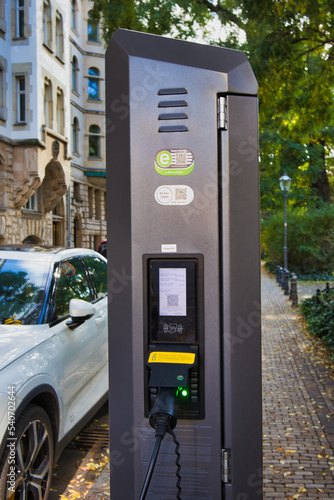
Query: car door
97,270
78,345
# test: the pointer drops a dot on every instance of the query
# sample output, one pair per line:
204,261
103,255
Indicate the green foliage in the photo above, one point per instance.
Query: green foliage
320,318
310,239
159,17
291,49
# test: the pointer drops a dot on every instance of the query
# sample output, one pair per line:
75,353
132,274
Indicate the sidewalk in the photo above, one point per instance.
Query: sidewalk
298,411
298,407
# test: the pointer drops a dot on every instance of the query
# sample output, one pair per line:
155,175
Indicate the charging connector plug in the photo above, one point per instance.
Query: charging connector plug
162,417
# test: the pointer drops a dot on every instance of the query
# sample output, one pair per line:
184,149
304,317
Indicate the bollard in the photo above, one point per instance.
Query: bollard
283,280
286,282
280,276
291,288
327,290
317,296
294,292
277,274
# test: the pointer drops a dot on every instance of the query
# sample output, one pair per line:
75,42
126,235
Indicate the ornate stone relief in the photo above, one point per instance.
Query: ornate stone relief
54,185
26,189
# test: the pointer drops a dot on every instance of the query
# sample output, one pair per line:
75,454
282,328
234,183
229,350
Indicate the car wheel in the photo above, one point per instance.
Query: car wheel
27,465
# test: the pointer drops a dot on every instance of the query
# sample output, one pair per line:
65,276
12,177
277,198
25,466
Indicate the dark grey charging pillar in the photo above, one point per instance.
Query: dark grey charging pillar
182,181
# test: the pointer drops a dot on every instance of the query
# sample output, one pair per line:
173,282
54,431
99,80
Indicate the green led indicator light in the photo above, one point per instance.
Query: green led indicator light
182,392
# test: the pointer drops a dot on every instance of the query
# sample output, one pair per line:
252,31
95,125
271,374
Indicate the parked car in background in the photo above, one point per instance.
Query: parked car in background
102,248
53,359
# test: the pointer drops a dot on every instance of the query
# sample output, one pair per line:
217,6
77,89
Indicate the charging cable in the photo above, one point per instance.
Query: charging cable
162,418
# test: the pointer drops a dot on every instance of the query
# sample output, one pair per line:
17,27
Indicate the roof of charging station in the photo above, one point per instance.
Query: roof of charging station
234,63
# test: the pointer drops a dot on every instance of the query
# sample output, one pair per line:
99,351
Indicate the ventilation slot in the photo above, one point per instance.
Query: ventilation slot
172,104
173,91
173,128
173,114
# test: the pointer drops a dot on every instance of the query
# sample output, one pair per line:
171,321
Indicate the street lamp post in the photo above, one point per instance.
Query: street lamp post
285,183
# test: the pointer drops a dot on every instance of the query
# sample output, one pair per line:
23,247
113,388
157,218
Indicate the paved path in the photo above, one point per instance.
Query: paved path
298,411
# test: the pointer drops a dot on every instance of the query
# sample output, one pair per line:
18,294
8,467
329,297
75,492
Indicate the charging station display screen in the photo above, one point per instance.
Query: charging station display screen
173,291
172,286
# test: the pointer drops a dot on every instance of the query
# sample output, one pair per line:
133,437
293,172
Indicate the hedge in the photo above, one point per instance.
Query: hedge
320,318
310,239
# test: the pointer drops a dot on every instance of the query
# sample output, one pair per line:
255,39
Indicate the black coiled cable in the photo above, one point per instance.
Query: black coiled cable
178,465
163,420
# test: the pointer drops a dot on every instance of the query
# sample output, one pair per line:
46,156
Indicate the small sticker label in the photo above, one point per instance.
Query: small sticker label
181,358
67,269
174,195
174,162
168,248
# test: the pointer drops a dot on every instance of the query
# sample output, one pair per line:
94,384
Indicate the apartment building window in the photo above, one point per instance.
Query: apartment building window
2,17
2,88
20,99
94,141
92,29
47,24
3,182
97,204
32,203
91,203
75,69
73,15
3,111
2,9
75,135
76,191
93,84
59,36
60,112
19,24
48,105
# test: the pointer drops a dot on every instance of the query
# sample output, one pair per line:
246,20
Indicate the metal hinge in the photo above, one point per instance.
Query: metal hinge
226,466
222,113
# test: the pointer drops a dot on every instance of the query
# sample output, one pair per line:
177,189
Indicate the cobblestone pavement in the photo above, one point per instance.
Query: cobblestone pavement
298,411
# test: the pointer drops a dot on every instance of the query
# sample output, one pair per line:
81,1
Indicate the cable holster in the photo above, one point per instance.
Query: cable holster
162,417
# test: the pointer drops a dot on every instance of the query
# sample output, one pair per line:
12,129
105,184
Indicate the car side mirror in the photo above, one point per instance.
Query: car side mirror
80,311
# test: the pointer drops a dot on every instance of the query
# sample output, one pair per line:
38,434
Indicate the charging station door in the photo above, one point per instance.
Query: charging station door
183,266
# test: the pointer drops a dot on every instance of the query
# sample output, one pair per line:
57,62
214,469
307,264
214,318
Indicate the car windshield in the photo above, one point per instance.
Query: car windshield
22,288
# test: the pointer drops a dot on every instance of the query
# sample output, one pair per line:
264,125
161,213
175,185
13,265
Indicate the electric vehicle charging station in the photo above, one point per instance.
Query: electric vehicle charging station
183,267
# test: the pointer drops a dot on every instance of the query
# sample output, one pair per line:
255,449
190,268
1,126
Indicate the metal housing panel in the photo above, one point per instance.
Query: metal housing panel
142,72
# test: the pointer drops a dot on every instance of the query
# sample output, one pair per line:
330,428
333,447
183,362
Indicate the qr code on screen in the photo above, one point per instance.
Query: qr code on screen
180,193
172,300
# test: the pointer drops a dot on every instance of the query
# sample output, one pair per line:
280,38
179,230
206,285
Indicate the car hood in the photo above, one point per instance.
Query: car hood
15,341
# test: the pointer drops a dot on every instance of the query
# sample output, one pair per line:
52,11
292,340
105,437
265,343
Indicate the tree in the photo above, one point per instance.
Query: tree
294,65
290,44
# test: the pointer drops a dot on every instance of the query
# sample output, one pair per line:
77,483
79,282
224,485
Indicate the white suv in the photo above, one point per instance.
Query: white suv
53,359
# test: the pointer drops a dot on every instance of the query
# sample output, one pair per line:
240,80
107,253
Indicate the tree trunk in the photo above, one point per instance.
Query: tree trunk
318,166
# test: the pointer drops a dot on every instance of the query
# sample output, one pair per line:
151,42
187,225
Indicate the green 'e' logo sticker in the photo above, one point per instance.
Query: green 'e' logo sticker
164,159
174,162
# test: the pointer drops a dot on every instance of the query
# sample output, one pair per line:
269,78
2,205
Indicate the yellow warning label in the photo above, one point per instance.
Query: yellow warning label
186,358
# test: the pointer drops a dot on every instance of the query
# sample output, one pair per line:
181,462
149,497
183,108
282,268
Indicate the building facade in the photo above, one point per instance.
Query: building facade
52,121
